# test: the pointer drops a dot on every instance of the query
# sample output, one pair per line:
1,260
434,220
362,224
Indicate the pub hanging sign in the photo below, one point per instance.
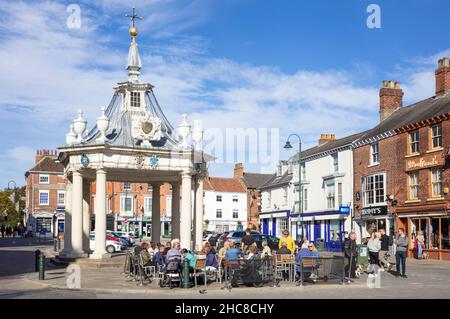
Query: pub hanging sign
374,211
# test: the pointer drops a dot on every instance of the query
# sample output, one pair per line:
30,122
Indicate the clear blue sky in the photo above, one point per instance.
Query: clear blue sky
308,67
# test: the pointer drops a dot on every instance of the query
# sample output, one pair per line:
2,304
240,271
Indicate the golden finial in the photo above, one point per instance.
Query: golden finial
133,31
133,17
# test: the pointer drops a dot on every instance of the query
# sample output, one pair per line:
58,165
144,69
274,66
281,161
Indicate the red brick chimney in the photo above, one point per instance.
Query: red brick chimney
443,76
238,170
391,98
40,154
325,138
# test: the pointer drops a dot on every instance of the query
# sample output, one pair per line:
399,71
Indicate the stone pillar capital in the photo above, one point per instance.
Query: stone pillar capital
186,174
101,170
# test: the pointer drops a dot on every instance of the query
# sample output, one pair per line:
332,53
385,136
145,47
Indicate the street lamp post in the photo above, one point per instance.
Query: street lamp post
300,186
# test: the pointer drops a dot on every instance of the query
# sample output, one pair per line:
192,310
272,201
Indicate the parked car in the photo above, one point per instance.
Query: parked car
112,246
115,238
130,236
272,241
126,240
235,236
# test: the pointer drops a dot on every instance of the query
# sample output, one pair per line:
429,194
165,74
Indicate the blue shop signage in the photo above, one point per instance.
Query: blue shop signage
345,210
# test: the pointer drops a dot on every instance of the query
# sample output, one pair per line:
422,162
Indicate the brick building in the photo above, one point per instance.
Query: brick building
401,176
45,195
252,183
129,207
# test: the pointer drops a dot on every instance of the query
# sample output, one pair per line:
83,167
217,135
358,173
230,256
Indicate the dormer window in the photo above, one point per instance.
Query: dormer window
135,99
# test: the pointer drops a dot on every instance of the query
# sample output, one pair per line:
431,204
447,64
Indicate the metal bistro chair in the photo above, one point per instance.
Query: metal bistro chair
216,273
145,272
127,264
219,270
200,269
283,264
308,263
134,266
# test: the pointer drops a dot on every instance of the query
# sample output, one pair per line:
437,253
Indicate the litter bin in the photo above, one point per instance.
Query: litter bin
363,255
320,244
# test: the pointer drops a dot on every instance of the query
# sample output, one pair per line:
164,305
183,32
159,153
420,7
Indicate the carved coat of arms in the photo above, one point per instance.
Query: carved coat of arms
146,128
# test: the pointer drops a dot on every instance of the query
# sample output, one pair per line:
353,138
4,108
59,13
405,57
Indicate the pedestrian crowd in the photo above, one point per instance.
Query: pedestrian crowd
8,231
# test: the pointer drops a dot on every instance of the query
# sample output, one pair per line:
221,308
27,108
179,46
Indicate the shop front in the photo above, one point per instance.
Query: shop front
434,226
373,219
274,223
327,228
141,225
129,224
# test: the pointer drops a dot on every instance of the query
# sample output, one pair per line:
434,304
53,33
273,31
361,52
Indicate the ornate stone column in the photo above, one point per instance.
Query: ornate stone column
156,212
175,210
100,216
199,213
67,221
77,214
186,211
86,215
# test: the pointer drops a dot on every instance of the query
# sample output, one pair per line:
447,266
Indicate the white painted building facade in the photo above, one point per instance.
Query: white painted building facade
327,182
225,203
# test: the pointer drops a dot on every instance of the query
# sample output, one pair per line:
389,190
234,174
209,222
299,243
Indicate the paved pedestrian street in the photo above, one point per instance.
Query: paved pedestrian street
18,280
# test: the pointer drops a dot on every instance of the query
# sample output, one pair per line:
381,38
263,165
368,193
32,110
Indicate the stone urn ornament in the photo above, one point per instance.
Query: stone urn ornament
102,125
79,125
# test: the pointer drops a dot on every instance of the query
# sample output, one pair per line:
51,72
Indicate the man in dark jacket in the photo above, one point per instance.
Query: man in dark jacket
385,243
350,254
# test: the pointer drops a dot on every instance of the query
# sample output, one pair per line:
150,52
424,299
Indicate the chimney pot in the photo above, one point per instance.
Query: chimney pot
391,98
443,76
391,84
384,84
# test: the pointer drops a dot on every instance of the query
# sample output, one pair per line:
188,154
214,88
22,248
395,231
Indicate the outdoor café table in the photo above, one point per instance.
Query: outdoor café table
330,266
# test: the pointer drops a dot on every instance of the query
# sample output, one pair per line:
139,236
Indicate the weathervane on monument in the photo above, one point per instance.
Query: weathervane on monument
133,17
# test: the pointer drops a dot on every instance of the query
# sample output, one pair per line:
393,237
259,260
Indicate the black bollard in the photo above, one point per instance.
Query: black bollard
36,260
59,244
41,266
55,245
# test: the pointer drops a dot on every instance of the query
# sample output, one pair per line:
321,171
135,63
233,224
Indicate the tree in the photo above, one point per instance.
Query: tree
6,205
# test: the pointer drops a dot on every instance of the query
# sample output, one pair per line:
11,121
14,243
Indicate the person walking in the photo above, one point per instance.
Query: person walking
374,247
384,251
290,242
400,255
350,255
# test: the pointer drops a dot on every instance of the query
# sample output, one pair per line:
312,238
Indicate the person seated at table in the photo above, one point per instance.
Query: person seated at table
146,257
211,261
152,249
168,247
251,253
190,257
233,253
223,250
158,258
284,250
308,250
173,252
266,251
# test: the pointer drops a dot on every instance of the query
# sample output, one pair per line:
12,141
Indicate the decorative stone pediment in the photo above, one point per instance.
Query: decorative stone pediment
146,128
